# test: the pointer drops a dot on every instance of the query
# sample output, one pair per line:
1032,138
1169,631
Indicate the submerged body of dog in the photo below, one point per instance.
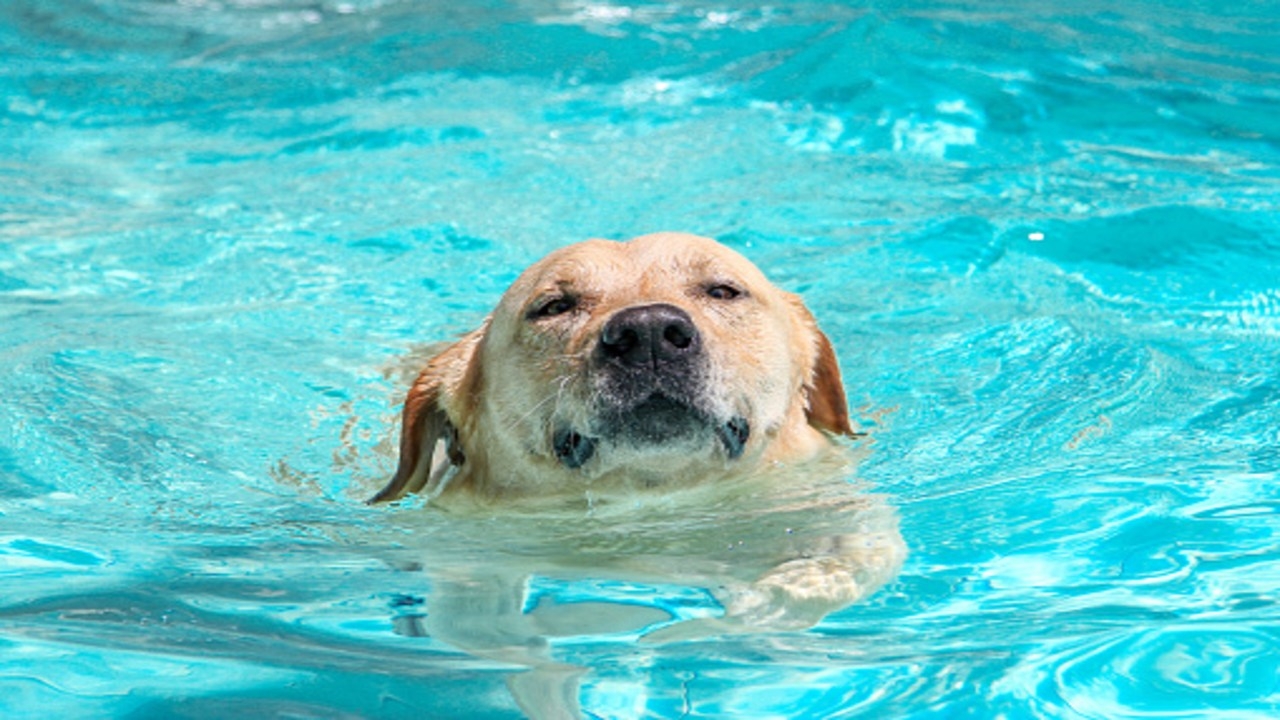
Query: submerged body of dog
619,380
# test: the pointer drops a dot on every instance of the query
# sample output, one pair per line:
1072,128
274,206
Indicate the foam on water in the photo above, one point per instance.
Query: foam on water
1043,240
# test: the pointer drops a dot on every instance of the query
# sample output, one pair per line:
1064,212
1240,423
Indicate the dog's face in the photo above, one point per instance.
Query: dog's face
669,356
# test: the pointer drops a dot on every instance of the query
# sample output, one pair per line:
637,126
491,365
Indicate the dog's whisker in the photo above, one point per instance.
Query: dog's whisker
511,424
560,382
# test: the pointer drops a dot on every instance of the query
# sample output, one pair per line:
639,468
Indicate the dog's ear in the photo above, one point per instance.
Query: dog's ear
825,405
429,444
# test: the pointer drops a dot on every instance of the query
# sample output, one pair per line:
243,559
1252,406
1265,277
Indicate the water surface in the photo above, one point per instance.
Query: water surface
1043,240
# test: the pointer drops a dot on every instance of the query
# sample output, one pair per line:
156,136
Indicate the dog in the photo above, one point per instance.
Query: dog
617,389
621,365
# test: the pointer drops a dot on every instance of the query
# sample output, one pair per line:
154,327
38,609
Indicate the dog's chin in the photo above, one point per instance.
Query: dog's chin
658,420
660,428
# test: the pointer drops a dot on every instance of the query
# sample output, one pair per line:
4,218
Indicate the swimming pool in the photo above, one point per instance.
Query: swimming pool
1044,242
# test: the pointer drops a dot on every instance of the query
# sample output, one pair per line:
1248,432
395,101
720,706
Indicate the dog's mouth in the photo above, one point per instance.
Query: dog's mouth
659,423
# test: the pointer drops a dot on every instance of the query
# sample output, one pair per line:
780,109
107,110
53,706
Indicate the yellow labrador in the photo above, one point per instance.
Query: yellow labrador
620,365
666,371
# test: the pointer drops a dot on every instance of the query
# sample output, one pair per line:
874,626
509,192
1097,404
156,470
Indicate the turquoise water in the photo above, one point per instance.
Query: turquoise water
1044,241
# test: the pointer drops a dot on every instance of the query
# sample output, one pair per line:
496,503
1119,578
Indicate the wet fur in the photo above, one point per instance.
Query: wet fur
478,417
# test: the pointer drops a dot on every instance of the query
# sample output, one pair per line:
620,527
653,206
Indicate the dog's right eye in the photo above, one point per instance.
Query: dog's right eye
723,291
553,306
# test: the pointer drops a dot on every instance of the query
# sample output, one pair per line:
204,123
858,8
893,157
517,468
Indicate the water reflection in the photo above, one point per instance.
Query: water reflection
773,553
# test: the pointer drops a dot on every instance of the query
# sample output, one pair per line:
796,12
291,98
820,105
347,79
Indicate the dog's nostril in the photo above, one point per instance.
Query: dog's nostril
679,335
618,341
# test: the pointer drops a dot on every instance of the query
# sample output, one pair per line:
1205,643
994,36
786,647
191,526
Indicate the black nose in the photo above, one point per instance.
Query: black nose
649,335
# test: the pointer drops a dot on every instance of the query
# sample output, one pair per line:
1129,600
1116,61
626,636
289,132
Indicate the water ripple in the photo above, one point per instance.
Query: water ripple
1041,237
1174,671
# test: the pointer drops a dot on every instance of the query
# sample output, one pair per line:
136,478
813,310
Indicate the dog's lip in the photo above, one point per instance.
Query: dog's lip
734,435
572,448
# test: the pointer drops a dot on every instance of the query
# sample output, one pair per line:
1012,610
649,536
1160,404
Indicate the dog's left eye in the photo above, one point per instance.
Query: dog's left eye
723,292
553,306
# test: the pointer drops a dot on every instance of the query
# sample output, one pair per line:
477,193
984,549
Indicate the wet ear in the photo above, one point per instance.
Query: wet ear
825,405
429,443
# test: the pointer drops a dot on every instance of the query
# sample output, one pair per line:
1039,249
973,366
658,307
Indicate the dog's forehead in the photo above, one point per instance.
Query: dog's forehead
677,252
660,257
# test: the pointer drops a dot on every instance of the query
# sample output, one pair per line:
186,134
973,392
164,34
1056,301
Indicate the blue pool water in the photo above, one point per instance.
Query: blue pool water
1044,240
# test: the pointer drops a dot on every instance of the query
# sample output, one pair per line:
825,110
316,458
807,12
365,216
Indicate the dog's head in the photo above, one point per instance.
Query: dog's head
662,357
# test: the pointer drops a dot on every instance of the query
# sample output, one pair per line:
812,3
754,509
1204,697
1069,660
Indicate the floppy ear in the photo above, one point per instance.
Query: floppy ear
429,445
826,406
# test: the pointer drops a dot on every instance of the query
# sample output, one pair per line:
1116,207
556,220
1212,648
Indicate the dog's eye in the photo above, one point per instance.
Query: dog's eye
553,306
723,292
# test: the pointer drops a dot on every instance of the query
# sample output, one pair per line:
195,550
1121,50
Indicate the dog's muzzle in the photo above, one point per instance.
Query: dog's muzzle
650,369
